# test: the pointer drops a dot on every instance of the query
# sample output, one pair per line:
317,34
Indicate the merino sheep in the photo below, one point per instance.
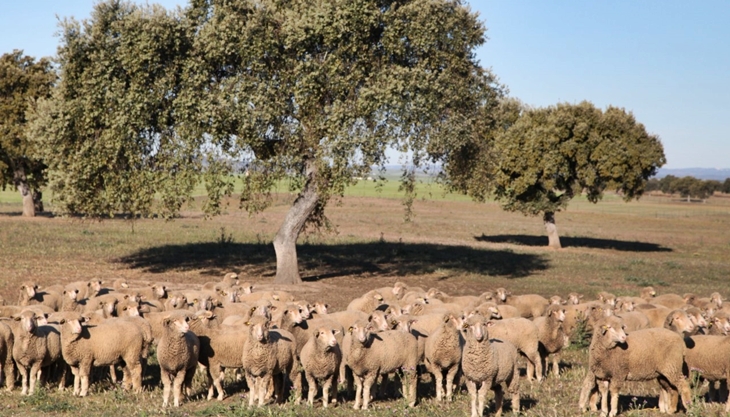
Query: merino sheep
529,305
443,355
719,324
367,303
228,281
85,289
657,314
574,298
177,354
267,353
371,354
6,354
635,320
106,344
524,335
643,355
33,348
31,294
552,336
321,357
679,322
488,363
710,356
607,298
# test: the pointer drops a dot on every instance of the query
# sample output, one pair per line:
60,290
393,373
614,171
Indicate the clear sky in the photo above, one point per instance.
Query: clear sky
666,61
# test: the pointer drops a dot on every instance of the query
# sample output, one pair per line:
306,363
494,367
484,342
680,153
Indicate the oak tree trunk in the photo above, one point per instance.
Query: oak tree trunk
285,242
21,183
552,230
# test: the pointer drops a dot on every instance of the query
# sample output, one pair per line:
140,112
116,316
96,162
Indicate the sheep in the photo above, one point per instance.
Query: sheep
698,320
720,324
33,348
557,300
107,303
267,353
489,310
85,289
106,344
524,335
393,294
710,356
442,353
370,354
643,355
635,320
6,354
156,320
574,298
551,336
488,363
671,301
607,298
228,281
175,301
177,354
30,294
321,357
465,301
679,322
529,305
367,303
220,347
656,313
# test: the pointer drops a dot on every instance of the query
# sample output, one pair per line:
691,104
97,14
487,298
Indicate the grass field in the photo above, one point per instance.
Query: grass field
454,244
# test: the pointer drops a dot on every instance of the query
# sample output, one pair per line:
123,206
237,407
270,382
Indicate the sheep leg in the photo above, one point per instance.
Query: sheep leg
134,372
589,383
411,379
513,387
438,376
126,378
367,385
472,387
664,396
35,375
326,387
556,364
313,391
165,377
358,390
252,388
217,373
450,375
9,373
177,387
614,389
84,372
24,379
264,382
188,382
113,373
211,388
498,397
77,379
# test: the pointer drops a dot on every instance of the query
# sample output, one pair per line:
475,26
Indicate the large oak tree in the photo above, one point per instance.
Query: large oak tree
315,91
23,81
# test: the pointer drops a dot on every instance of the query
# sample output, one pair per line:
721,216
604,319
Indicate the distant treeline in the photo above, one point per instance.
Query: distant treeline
688,187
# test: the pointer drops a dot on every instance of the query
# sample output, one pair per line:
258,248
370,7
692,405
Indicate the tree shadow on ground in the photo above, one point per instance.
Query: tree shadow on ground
320,261
578,242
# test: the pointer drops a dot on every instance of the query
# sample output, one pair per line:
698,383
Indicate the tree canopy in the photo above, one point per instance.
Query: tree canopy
23,81
537,160
150,102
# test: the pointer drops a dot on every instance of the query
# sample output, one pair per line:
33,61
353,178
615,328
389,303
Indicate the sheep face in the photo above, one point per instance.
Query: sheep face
304,310
320,307
361,331
159,290
476,328
679,321
557,300
27,321
648,292
607,298
73,324
716,298
403,324
327,338
294,315
131,310
30,289
695,316
228,295
574,298
94,287
259,330
180,324
246,288
722,324
399,290
557,312
379,321
612,331
502,294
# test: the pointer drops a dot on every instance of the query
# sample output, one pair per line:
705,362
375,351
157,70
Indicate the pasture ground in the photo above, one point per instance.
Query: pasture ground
456,245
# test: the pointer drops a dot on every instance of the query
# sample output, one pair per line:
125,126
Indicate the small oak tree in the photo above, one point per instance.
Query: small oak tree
551,154
23,81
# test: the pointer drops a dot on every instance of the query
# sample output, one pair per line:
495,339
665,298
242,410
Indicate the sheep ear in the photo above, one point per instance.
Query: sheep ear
62,321
604,329
273,308
326,306
490,323
447,318
349,329
16,318
335,331
275,297
370,317
166,322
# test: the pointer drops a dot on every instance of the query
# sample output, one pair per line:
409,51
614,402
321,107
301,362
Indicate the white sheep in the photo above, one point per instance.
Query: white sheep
33,349
643,355
442,354
177,354
267,353
552,336
371,354
321,357
489,364
710,356
6,354
367,303
529,305
105,344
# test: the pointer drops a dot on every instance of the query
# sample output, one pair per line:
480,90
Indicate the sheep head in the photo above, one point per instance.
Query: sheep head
502,294
611,331
180,324
361,331
679,321
326,338
259,329
476,328
574,298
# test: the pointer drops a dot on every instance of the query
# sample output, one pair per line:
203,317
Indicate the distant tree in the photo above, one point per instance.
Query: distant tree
667,185
551,154
653,185
23,81
726,186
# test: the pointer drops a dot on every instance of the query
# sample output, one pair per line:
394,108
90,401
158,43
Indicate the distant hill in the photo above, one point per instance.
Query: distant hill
701,173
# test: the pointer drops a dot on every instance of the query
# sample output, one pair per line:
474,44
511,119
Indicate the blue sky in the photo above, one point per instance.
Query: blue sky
666,61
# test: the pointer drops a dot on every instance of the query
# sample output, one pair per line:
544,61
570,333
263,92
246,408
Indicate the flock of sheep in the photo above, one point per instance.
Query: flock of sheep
271,338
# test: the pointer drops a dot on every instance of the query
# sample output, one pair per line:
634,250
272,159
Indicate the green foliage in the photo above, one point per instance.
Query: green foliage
23,81
552,154
690,187
108,133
